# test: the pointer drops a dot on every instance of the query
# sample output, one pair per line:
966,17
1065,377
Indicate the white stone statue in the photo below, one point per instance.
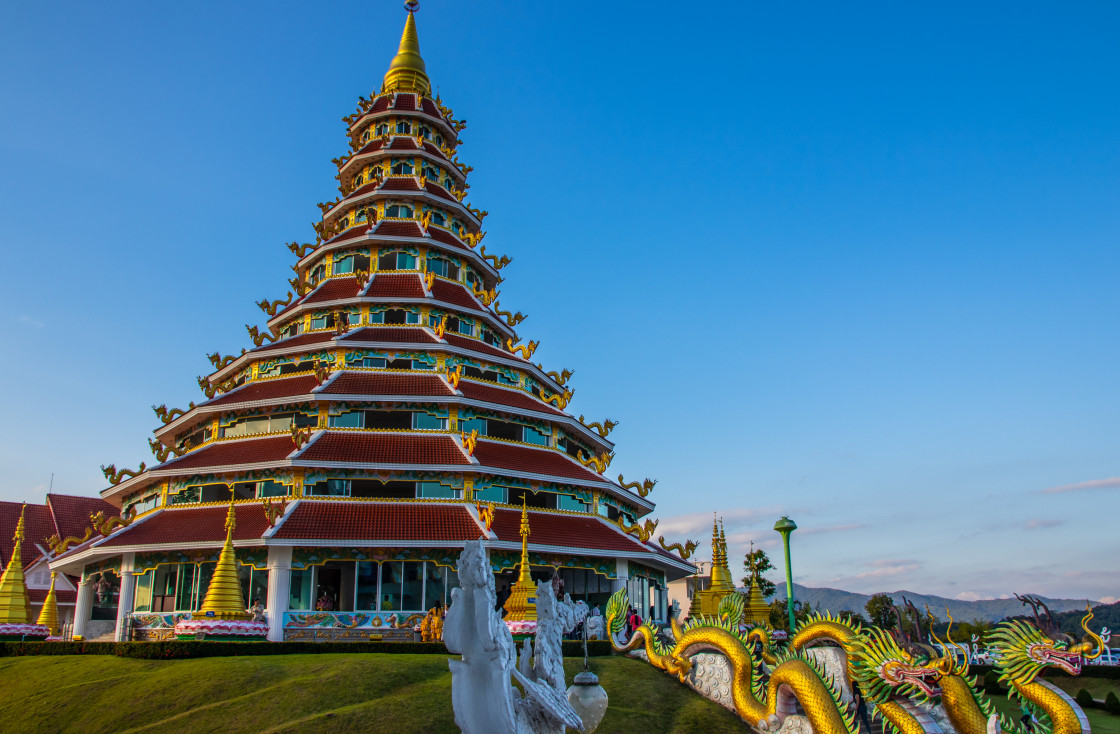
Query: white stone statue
596,626
482,691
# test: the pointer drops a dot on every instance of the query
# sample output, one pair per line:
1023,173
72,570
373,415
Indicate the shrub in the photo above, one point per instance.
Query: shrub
991,683
1084,699
1112,703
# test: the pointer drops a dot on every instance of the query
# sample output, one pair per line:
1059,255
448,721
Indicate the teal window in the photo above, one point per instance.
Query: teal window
491,494
443,268
473,424
352,419
366,586
184,592
402,167
301,590
396,261
404,127
391,578
254,585
436,490
567,502
382,129
532,435
344,265
271,488
329,488
398,211
425,132
428,422
143,598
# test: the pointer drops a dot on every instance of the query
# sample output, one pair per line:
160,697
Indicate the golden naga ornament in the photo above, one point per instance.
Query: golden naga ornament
271,307
643,531
273,510
560,400
300,288
323,370
511,319
59,545
472,240
104,526
341,161
115,476
525,351
642,489
162,452
560,378
167,416
599,463
603,429
441,327
486,513
497,262
219,361
300,436
487,297
260,337
362,278
479,214
470,441
685,551
429,280
299,250
210,390
453,376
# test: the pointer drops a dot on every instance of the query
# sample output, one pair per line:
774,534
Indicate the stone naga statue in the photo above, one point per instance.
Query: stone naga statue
482,691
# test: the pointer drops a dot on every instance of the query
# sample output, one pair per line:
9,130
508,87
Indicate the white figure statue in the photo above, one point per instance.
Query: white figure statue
482,692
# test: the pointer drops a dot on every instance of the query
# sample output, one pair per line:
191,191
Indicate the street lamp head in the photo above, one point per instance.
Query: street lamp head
785,525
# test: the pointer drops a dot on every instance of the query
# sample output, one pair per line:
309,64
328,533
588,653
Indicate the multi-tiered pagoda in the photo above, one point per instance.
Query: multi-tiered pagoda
388,413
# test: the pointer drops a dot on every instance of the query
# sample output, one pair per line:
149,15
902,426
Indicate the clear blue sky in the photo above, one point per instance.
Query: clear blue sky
853,262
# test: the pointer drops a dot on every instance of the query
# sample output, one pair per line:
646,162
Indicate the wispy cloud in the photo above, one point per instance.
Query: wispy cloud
969,596
818,529
28,321
700,523
1110,483
1043,522
882,569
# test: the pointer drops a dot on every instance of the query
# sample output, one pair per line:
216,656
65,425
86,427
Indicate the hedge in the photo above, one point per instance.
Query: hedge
181,649
1111,672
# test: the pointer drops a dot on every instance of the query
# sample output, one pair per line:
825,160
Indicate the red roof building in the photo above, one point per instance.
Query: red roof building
378,422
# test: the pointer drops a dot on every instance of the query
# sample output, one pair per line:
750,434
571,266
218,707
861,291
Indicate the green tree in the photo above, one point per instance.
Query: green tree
1112,703
779,613
757,559
880,610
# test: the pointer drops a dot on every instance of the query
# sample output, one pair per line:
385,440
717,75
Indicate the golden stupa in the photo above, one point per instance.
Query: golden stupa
706,601
48,616
223,598
521,606
15,607
756,611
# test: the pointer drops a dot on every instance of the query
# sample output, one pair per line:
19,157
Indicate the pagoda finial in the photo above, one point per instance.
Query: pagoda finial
15,607
223,596
49,614
521,605
407,72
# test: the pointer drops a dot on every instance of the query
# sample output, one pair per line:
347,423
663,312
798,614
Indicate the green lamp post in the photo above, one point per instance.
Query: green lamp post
785,527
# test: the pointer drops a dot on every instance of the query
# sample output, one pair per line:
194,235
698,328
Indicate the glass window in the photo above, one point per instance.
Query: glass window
435,490
412,594
352,419
189,495
367,586
184,593
466,327
473,424
143,598
402,168
567,502
491,494
365,135
435,580
439,219
399,211
271,488
404,127
205,574
428,422
299,595
254,586
391,586
532,435
344,265
382,128
426,132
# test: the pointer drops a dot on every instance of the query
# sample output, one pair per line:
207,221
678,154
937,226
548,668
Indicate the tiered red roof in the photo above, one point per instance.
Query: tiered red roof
396,228
64,597
437,190
380,105
334,289
386,383
369,147
71,514
446,238
537,461
393,335
405,102
377,521
429,107
400,184
285,387
478,346
230,453
512,398
313,337
350,234
454,294
385,448
547,528
396,285
193,525
400,143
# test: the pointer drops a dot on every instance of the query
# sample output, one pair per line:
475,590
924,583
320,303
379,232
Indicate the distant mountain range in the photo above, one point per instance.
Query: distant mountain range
993,610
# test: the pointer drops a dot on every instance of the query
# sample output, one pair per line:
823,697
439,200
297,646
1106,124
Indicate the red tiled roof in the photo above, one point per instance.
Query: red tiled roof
437,190
478,346
62,596
396,285
387,383
397,335
432,148
369,147
324,520
193,525
401,184
401,143
405,102
71,514
334,289
430,107
385,448
391,228
380,105
350,234
363,189
537,461
547,528
446,238
251,451
38,525
454,293
298,341
512,398
268,389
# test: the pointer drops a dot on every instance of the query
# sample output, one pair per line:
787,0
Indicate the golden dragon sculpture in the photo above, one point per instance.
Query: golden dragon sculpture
560,378
59,545
603,429
487,297
643,532
560,400
454,375
497,262
114,476
104,526
470,441
167,416
642,489
479,214
219,361
210,390
299,250
598,463
761,705
511,319
260,337
163,452
271,307
472,240
685,551
526,351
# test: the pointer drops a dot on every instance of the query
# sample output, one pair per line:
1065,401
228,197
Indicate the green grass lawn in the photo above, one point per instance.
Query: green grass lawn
303,693
1098,688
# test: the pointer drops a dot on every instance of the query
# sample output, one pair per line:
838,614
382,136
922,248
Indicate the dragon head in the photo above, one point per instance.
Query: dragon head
884,669
1024,649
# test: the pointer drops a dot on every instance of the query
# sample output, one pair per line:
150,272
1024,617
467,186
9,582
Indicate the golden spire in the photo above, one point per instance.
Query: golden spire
223,596
407,72
721,574
49,613
756,611
521,605
15,607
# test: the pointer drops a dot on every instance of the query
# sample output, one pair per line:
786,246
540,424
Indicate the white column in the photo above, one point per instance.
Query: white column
622,569
279,589
83,607
125,598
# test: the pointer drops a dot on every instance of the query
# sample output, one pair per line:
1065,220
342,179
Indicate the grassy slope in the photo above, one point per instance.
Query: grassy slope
302,693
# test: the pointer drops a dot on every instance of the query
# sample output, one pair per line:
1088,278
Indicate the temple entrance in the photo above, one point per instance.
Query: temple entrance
327,592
